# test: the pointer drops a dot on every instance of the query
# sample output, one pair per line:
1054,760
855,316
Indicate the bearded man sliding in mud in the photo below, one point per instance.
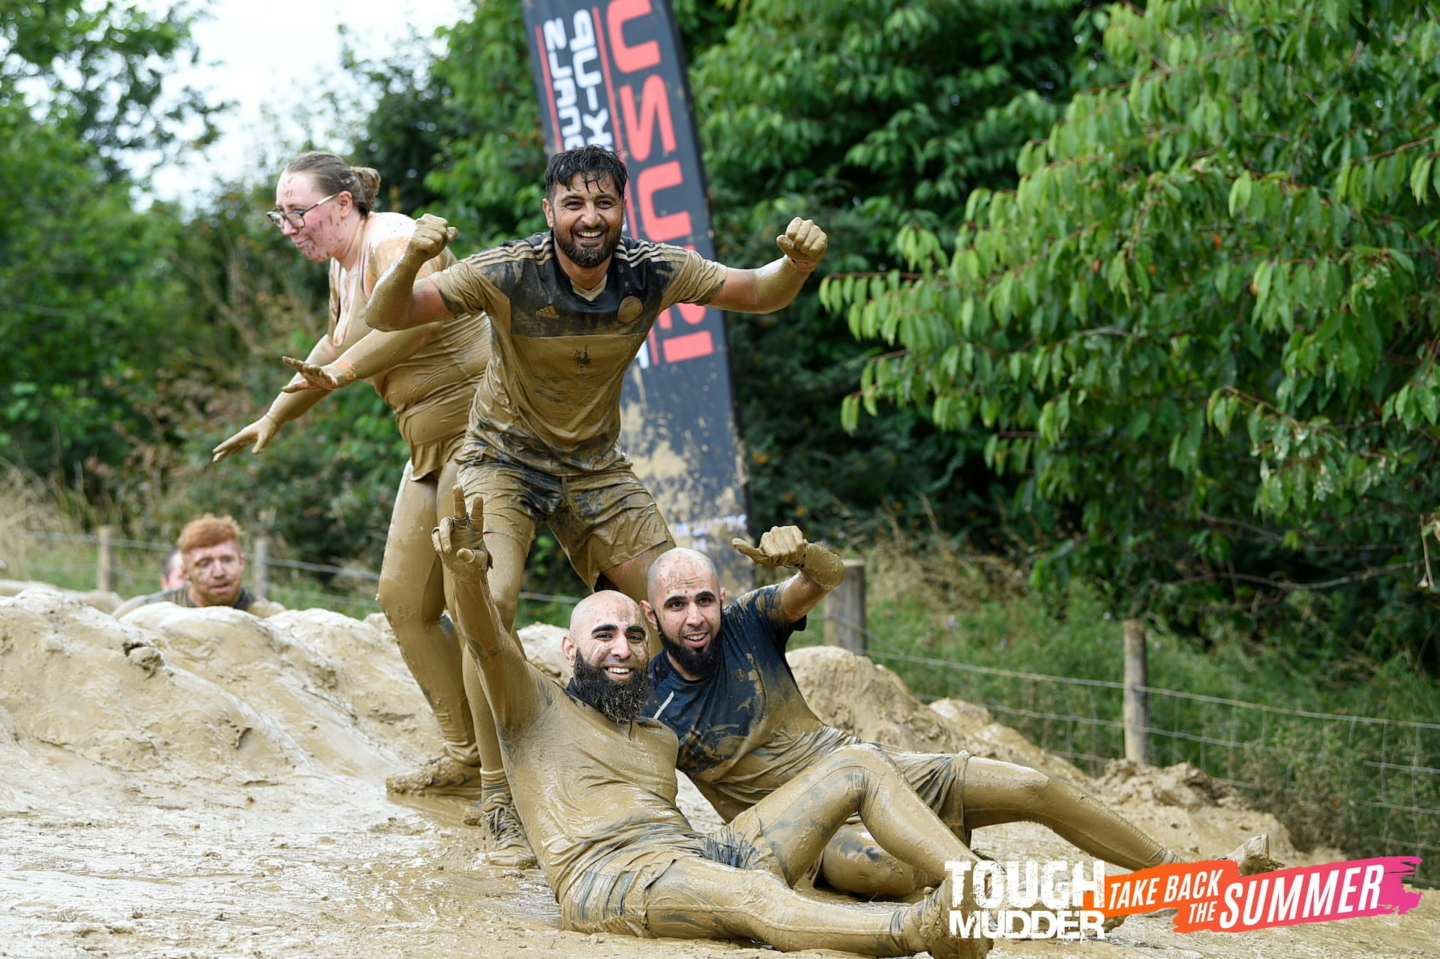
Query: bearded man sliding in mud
745,730
595,785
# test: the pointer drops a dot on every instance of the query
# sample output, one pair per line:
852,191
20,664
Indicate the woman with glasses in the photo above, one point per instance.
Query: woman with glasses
428,377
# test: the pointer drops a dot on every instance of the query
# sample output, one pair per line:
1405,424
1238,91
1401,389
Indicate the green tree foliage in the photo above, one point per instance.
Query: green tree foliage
870,116
1203,325
87,301
97,70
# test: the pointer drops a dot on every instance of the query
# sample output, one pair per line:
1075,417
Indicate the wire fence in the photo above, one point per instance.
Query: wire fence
1369,785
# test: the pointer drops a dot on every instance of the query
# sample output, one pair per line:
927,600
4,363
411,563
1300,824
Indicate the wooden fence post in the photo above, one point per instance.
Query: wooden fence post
105,562
262,566
1136,709
845,611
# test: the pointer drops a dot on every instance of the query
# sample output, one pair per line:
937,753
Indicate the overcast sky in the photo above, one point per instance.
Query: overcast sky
267,55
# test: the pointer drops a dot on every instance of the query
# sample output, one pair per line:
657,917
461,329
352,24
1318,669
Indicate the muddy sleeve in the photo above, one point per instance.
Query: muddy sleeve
693,279
513,687
466,287
377,350
759,615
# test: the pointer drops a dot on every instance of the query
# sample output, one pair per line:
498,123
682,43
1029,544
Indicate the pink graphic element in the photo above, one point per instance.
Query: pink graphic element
651,181
1213,896
627,58
688,347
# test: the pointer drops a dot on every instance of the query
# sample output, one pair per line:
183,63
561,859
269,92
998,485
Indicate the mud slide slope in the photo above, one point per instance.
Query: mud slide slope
202,783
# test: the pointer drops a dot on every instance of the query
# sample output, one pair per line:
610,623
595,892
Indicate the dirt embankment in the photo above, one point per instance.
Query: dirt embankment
203,783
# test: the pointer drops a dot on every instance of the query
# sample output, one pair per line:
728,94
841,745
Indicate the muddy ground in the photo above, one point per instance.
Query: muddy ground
202,783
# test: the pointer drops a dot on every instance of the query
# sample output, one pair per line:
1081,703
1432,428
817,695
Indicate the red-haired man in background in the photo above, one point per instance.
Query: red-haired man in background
210,550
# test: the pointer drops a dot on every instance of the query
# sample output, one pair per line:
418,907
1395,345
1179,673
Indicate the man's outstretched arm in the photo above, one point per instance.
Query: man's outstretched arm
773,286
460,542
820,569
399,302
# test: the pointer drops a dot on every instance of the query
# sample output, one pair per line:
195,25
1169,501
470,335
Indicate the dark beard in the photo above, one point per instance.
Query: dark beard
693,662
585,259
621,702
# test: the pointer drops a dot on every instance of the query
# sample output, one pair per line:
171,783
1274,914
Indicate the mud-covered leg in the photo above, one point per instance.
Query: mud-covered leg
697,899
506,844
412,594
1000,792
798,819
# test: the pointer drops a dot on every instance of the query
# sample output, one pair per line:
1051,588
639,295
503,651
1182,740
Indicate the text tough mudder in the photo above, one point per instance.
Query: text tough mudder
1027,900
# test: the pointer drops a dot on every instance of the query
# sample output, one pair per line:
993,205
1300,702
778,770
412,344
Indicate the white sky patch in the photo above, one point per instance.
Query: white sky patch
273,59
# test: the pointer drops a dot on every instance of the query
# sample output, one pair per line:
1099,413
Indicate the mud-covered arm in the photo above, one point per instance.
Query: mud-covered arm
509,680
400,301
773,286
377,350
286,406
821,570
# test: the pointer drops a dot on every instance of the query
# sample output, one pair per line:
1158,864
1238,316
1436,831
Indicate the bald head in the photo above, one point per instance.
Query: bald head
606,606
680,564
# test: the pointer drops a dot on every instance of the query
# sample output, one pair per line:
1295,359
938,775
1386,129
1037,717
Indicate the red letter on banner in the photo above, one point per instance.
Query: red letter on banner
654,107
651,181
691,346
628,59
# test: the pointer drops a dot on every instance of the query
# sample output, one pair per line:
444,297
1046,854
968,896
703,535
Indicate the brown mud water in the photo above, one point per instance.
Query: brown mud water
203,783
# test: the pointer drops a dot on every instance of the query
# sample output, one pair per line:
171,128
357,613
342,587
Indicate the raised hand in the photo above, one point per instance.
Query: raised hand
787,546
460,540
331,376
432,234
258,434
803,244
781,546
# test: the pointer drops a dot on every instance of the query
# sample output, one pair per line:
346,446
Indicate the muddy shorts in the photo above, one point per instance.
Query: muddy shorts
615,899
601,518
939,779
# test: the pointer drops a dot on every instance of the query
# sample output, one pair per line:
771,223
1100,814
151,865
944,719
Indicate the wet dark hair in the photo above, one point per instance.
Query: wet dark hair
591,162
334,175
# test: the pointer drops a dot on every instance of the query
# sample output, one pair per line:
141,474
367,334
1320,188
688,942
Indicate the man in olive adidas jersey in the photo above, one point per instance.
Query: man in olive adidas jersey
569,310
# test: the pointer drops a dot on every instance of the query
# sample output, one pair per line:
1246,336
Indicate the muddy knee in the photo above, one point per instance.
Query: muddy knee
853,862
865,756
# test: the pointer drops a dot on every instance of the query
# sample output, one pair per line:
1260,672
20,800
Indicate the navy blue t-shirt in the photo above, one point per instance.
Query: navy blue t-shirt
751,688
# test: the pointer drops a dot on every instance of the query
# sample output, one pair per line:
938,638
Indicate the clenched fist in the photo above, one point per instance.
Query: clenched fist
803,244
432,234
787,546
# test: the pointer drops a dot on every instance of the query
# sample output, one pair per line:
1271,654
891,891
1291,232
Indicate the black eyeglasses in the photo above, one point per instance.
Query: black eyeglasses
296,218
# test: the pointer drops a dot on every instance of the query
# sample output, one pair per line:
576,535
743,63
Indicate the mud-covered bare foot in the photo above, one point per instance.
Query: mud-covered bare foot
442,776
1253,856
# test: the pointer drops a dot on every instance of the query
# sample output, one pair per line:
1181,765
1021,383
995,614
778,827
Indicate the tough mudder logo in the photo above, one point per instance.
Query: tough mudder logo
1028,900
1055,900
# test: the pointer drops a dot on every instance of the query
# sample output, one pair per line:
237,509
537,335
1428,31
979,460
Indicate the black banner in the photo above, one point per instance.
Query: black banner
613,73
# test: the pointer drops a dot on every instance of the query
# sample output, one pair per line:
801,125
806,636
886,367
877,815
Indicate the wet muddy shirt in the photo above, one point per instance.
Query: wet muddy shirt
431,389
597,797
745,730
551,397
